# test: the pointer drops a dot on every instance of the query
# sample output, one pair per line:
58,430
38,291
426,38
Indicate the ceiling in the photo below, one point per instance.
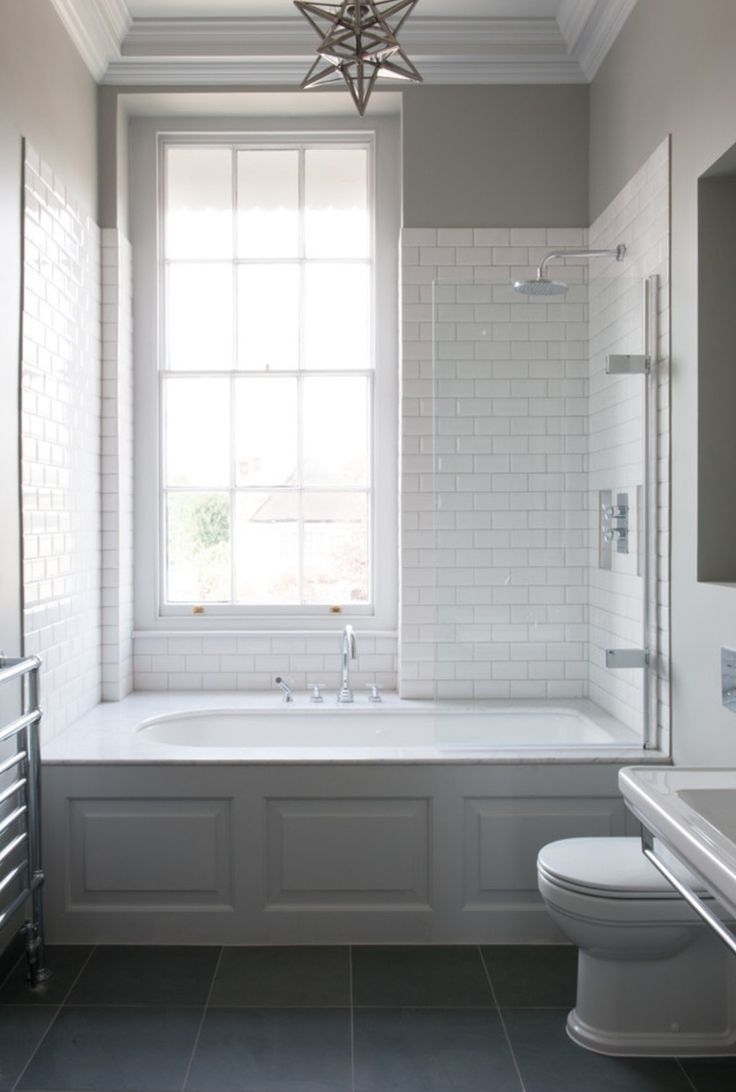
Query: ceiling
275,9
248,44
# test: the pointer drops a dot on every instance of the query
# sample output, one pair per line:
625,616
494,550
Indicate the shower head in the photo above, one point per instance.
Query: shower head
543,286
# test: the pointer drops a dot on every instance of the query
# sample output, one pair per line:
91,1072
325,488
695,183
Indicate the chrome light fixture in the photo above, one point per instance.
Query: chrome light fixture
358,44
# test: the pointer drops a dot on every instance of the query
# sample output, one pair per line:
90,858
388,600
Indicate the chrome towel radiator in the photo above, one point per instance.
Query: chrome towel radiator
20,817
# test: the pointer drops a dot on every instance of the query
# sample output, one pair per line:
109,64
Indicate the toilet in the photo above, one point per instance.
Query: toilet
652,978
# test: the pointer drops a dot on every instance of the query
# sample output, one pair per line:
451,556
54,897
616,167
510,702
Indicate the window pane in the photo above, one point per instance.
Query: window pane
268,317
265,432
199,201
335,439
336,198
337,316
267,548
198,547
197,432
199,313
335,548
268,204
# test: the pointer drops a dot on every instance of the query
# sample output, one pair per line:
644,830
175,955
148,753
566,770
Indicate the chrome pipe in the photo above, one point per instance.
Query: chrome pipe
34,931
649,505
12,789
19,724
14,760
617,252
13,874
10,848
693,900
11,668
13,817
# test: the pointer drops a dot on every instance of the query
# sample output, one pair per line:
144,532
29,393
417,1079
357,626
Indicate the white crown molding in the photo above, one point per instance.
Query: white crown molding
289,72
226,52
590,27
97,28
166,52
292,36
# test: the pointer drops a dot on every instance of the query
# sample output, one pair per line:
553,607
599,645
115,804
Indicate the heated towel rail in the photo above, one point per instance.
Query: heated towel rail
20,817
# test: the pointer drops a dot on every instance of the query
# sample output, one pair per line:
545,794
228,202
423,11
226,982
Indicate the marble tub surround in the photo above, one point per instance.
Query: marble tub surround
110,732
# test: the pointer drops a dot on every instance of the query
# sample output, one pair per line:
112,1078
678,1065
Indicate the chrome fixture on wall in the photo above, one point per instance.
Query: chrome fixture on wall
358,44
542,286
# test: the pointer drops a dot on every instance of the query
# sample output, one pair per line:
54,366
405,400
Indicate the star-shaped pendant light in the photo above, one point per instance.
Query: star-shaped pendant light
358,43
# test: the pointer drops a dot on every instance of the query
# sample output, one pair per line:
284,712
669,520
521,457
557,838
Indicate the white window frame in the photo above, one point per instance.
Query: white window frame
148,143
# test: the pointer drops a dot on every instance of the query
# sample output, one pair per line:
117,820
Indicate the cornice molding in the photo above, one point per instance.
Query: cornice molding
97,28
224,52
283,72
590,28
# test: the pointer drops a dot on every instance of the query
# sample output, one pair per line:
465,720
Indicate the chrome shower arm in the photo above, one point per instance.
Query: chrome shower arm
615,252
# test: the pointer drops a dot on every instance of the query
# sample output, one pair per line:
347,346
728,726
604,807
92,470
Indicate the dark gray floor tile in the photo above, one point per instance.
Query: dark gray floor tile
64,962
272,1050
115,1050
283,977
133,975
533,976
420,976
432,1050
711,1074
550,1062
21,1030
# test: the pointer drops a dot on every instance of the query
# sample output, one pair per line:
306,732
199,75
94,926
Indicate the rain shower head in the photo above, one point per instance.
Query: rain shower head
542,286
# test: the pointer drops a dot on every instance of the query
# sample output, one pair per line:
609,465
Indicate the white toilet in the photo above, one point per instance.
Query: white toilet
652,978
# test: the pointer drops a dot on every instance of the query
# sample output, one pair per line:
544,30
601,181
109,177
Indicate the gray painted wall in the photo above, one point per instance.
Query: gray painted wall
501,156
673,69
48,96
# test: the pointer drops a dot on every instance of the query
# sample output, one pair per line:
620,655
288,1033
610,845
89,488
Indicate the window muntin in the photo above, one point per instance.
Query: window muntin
267,378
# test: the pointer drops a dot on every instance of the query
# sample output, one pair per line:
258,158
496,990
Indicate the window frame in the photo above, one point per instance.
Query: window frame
147,195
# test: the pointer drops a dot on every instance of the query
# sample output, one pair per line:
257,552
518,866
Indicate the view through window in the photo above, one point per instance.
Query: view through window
267,374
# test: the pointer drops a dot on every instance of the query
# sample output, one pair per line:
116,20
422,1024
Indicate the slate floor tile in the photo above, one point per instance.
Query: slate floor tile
284,977
400,976
272,1050
115,1050
533,975
21,1030
711,1074
432,1050
64,962
140,975
550,1062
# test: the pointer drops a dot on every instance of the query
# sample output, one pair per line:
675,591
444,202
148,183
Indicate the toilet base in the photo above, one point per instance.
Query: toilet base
682,1005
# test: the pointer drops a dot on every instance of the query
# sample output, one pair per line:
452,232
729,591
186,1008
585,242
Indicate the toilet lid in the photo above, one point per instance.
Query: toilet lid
612,867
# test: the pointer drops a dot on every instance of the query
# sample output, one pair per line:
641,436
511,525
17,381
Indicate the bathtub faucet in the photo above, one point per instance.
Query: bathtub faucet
284,688
349,650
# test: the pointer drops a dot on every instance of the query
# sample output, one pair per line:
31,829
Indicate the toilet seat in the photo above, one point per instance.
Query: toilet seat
611,868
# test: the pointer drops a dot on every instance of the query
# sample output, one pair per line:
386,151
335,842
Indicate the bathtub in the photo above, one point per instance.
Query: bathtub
395,734
221,818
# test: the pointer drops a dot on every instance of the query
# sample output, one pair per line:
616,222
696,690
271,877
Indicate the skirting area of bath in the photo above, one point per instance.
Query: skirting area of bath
230,819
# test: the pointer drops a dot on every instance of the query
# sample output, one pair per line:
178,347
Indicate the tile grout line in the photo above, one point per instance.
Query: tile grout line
352,1018
195,1044
686,1075
507,1037
55,1017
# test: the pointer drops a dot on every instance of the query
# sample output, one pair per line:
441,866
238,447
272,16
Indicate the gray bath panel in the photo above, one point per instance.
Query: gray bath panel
323,853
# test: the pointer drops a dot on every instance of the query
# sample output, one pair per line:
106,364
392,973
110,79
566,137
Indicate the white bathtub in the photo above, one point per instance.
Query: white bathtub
232,819
339,729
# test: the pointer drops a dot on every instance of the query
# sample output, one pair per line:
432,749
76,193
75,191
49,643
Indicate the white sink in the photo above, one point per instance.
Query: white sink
693,812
